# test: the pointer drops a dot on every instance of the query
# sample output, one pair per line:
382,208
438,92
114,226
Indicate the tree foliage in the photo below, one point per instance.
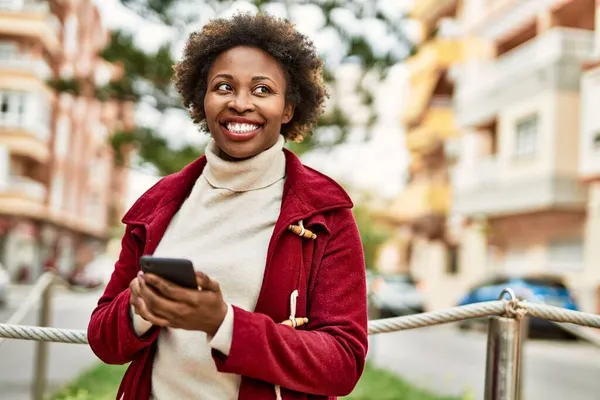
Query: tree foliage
372,234
147,76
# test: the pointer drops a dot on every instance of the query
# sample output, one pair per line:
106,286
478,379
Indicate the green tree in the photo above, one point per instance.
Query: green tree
372,235
148,75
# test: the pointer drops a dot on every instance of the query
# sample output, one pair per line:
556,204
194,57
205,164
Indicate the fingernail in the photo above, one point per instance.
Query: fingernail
140,274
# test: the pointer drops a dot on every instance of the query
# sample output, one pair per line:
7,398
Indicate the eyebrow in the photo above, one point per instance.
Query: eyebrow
254,78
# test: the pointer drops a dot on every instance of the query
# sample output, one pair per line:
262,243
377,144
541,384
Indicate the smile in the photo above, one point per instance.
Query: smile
240,131
241,128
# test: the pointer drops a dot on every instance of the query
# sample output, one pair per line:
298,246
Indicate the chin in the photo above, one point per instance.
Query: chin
241,150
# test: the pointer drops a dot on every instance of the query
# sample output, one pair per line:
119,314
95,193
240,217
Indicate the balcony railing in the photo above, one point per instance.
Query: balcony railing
589,138
493,187
38,67
470,177
552,46
25,186
41,7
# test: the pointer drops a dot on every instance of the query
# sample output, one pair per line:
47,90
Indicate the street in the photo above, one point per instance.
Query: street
451,362
440,358
70,310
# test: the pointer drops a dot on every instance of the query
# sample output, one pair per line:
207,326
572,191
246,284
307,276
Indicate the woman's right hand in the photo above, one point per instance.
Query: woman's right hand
134,296
139,305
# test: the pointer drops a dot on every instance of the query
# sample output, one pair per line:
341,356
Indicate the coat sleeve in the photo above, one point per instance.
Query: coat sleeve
335,344
111,334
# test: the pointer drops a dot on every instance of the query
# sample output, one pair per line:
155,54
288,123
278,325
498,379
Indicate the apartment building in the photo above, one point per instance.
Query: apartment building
517,189
419,214
589,157
58,180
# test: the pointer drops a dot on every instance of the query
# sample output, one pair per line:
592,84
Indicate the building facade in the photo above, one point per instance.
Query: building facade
421,244
59,185
518,142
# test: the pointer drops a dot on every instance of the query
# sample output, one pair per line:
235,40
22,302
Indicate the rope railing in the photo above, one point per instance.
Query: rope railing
507,308
32,300
504,345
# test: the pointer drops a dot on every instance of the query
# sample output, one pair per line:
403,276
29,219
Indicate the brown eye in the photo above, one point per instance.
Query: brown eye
262,90
225,87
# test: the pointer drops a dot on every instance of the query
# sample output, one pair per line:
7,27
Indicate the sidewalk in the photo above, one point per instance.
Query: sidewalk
70,310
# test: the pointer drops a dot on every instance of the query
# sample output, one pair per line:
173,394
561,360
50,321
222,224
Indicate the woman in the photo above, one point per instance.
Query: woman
281,311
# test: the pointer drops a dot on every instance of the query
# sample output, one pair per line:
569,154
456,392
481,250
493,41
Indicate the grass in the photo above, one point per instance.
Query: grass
102,381
381,384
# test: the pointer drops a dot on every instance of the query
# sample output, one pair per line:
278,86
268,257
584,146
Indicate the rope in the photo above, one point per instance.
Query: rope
507,308
455,314
43,334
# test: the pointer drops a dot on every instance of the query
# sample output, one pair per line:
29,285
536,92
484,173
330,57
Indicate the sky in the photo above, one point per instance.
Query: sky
377,165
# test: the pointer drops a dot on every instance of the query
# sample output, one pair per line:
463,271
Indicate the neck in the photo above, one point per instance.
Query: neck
226,172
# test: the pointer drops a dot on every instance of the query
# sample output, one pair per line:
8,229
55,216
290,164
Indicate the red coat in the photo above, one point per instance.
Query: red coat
320,360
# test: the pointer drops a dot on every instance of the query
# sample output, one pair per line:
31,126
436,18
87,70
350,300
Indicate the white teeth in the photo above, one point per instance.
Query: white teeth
241,128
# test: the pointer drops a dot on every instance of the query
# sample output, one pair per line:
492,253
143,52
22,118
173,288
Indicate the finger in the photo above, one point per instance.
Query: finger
134,287
165,288
159,305
143,311
206,283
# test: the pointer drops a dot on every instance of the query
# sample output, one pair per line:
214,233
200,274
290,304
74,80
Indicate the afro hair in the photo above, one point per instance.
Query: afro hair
278,37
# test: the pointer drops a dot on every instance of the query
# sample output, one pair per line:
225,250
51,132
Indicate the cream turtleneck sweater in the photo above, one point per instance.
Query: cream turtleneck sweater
224,228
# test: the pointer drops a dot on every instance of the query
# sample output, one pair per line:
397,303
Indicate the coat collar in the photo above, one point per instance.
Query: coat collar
306,192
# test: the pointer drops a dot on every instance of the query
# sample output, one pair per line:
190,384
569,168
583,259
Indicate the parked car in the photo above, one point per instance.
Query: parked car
545,289
4,280
395,294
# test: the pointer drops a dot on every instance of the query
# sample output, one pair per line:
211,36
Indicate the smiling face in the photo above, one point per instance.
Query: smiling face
245,102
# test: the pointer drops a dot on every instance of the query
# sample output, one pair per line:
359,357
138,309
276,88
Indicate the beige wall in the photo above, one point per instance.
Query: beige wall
566,121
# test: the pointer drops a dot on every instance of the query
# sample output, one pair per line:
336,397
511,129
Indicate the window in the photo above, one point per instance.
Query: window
70,35
565,255
527,137
13,5
63,133
452,261
17,109
58,191
8,51
515,260
13,108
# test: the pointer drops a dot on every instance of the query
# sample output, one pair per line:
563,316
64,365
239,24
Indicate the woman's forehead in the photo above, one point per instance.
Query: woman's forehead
245,61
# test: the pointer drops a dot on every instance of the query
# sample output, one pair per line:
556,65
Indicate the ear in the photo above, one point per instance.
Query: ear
288,113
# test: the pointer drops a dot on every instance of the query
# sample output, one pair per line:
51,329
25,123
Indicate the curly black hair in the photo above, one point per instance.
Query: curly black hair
278,37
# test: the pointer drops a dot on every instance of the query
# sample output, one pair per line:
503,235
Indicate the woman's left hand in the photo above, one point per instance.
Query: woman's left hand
170,305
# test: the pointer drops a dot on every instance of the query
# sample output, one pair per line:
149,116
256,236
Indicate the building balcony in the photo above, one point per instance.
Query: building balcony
24,66
495,188
420,199
589,145
430,11
425,70
29,141
551,61
503,18
438,125
31,20
24,196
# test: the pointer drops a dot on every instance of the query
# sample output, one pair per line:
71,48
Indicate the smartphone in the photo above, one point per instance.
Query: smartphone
177,270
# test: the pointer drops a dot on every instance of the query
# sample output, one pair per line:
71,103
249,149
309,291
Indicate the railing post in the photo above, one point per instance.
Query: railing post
503,374
42,347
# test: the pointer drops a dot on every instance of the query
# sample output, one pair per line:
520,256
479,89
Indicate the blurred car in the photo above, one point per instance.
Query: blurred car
395,294
4,280
550,290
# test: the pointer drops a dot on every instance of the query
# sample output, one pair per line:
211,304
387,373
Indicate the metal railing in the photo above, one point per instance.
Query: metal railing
507,331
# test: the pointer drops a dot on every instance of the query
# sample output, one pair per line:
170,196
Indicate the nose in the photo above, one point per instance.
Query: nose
241,103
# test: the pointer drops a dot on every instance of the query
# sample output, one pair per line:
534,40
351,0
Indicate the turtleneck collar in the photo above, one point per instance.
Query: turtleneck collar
256,172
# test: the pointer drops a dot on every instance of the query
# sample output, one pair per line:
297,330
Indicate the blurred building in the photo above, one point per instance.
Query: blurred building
421,210
59,187
521,86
